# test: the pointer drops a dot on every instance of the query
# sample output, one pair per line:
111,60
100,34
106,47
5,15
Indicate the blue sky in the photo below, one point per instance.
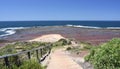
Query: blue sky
21,10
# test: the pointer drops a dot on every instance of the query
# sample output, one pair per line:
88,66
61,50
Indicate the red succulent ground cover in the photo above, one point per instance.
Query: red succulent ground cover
93,36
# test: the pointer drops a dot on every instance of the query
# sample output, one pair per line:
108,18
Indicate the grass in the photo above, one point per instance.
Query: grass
19,61
28,64
23,46
82,46
61,42
20,46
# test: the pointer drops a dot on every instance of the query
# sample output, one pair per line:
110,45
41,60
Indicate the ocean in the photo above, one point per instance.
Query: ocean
9,27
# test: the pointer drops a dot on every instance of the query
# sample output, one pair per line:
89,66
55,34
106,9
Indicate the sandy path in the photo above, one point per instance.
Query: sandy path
60,60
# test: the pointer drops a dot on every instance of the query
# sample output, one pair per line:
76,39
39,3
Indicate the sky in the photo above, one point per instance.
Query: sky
25,10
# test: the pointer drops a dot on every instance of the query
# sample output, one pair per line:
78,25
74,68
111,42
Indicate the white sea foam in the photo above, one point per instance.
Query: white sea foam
81,26
113,27
10,30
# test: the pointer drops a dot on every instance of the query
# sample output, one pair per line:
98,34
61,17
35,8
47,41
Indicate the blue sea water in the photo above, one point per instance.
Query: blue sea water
8,27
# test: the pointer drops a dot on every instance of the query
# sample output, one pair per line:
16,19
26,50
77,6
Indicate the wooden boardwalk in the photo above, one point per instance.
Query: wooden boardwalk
60,60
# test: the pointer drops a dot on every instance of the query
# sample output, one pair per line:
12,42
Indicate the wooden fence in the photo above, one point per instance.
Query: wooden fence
41,53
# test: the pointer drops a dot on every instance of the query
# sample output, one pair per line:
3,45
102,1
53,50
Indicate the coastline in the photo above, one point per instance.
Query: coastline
12,30
90,35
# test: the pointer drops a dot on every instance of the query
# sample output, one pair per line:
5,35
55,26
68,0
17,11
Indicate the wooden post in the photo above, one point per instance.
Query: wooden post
29,55
40,52
6,61
49,50
37,55
43,52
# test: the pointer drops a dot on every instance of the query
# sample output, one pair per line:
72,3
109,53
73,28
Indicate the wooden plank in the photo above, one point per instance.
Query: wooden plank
43,56
8,55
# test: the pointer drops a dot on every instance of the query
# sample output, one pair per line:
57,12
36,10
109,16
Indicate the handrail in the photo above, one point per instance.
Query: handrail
8,55
5,57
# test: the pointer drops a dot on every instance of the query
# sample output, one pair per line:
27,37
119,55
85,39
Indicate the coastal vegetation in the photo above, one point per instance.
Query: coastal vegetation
82,46
103,56
61,42
21,61
106,56
20,46
27,64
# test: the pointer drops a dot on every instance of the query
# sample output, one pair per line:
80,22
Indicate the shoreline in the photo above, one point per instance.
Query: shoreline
93,36
12,30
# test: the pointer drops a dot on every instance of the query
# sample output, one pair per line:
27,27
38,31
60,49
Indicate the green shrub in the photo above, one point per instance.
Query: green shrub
61,42
32,64
20,46
64,42
69,48
29,64
8,49
106,56
16,61
88,47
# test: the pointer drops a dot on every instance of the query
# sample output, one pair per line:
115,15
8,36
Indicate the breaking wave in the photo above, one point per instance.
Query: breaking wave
9,31
92,27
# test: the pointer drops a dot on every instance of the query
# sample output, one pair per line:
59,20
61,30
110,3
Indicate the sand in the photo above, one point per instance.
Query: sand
60,60
48,38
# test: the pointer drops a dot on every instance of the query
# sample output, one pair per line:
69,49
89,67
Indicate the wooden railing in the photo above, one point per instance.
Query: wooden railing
41,53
